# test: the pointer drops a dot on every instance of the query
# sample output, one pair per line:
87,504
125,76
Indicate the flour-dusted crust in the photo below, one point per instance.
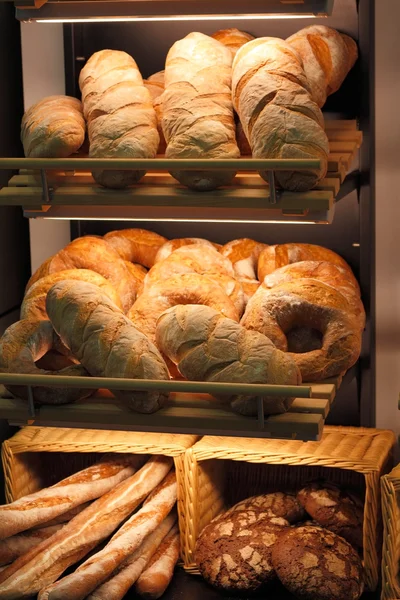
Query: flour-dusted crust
316,564
277,504
234,554
232,38
335,510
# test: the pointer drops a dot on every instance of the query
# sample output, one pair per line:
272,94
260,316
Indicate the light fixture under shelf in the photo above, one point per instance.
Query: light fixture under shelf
78,11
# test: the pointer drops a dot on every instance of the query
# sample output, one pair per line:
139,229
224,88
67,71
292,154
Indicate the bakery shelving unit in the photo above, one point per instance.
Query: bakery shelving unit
64,188
191,408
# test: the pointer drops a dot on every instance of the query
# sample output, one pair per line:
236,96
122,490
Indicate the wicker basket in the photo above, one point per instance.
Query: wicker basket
221,471
37,457
390,485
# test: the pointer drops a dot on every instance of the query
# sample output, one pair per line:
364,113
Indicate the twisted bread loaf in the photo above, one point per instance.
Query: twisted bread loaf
206,346
121,119
53,128
136,245
308,303
327,57
105,341
280,120
232,38
197,117
91,252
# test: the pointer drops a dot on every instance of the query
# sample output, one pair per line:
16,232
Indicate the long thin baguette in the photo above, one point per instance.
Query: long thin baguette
64,518
17,545
156,578
51,502
128,538
46,562
129,571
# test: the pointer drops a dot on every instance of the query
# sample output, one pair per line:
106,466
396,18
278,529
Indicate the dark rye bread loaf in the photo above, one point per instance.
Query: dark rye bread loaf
334,509
235,554
276,504
316,564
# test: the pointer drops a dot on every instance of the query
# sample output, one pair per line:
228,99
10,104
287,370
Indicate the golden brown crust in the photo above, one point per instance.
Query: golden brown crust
136,245
308,303
155,85
172,245
232,38
243,254
315,564
93,253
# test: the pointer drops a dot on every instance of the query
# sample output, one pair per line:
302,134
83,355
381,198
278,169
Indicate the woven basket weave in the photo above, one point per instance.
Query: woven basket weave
220,471
390,485
37,457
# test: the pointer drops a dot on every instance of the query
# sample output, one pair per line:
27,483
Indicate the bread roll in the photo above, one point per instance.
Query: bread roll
206,346
198,119
119,111
232,38
327,57
53,128
105,341
271,95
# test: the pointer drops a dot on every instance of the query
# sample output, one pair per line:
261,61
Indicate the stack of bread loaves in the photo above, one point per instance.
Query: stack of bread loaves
265,538
131,498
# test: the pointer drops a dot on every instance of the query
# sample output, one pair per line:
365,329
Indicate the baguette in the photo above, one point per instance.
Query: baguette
271,95
128,572
17,545
197,113
42,565
128,538
119,111
153,582
105,341
65,517
53,128
51,502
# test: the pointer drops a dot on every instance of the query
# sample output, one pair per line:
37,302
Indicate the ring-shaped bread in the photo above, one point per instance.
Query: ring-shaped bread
136,245
244,254
26,342
34,303
280,255
312,304
172,245
92,252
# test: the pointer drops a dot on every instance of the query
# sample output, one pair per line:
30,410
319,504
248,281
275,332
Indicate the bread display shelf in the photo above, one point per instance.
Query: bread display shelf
220,471
191,409
65,187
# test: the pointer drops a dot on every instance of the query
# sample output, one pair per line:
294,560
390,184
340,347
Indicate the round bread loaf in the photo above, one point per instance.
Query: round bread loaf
276,504
316,564
235,554
174,244
335,510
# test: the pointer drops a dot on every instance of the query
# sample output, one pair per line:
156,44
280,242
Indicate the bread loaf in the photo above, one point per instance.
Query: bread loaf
271,95
119,111
53,128
42,565
16,545
197,113
128,538
136,245
105,341
122,579
48,503
206,346
275,504
155,85
34,303
327,57
94,253
232,38
153,582
172,245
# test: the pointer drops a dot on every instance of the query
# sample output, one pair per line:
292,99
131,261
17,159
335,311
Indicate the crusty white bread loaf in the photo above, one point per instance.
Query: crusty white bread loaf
271,95
105,341
206,346
174,244
53,128
232,38
42,565
122,579
17,545
127,540
197,113
153,582
119,111
327,57
48,503
34,303
92,252
155,85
